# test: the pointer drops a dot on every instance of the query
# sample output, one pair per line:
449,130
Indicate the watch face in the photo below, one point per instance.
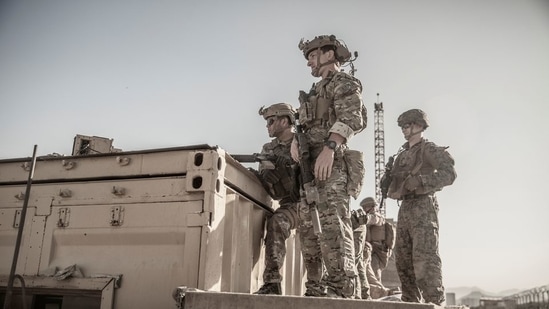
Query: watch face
331,144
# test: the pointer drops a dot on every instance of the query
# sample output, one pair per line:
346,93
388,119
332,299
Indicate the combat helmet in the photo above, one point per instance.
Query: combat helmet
278,109
342,53
368,202
416,116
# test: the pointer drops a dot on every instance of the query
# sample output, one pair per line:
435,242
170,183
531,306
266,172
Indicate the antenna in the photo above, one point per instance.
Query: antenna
379,151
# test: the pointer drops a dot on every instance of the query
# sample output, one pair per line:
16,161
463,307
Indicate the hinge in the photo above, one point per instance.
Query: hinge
17,218
117,215
64,214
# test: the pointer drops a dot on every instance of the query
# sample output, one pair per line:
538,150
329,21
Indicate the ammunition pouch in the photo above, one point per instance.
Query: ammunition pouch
355,171
315,110
307,111
322,108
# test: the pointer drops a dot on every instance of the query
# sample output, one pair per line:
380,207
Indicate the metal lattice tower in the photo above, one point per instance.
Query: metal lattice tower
379,150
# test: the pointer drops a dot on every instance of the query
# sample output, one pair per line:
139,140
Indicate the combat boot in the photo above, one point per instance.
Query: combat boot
270,288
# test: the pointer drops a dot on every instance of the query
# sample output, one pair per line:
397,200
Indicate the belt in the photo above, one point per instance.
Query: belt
413,196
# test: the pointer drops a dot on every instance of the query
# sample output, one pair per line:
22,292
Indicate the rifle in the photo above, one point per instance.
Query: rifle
254,157
386,181
307,177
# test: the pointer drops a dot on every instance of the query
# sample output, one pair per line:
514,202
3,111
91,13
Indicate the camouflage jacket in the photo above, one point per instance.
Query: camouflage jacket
431,163
334,104
283,169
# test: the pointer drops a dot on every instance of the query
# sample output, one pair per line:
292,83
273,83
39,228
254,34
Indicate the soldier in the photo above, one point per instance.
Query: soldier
331,114
279,181
421,168
363,218
376,222
382,250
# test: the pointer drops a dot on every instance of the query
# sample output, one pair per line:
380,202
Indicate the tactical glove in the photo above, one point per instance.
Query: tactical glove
360,216
282,161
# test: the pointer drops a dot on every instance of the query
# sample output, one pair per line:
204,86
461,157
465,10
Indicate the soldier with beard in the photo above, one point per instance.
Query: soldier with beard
330,115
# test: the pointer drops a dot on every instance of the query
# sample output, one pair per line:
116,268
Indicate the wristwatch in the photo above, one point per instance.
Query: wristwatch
331,144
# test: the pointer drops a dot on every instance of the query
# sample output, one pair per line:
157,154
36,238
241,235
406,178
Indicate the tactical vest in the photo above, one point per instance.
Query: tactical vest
411,162
317,109
317,115
285,170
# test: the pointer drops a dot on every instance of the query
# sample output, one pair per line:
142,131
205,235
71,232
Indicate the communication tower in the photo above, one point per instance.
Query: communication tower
379,150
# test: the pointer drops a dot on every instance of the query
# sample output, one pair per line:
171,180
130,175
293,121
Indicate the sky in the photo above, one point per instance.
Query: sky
155,74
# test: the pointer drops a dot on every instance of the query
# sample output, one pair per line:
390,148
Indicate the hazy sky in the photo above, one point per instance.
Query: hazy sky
153,74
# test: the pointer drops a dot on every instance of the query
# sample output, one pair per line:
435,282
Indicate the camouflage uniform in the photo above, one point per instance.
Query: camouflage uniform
369,286
279,179
359,236
416,251
334,105
282,221
380,258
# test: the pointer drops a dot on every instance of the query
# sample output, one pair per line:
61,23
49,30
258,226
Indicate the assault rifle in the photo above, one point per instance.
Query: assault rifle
254,157
307,177
386,181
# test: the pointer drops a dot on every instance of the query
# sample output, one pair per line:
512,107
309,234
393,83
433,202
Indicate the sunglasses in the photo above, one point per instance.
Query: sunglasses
270,121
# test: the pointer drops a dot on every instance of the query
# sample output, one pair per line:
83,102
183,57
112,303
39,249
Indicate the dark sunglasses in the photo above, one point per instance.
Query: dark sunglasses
270,121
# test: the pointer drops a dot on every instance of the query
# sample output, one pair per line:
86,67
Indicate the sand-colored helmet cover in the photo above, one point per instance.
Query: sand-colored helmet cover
341,51
278,109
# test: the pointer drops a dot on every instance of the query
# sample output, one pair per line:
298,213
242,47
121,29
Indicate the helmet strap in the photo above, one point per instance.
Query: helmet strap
319,65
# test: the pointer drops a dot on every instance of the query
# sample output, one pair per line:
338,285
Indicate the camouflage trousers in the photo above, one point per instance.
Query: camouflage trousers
417,258
369,286
363,287
380,258
329,257
377,289
279,227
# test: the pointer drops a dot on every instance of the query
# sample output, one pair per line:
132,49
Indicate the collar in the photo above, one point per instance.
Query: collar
406,145
286,142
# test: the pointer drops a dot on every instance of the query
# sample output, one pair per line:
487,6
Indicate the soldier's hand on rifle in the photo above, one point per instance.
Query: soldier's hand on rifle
282,161
324,164
294,150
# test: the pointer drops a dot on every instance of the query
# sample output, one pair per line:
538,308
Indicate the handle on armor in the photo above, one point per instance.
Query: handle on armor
312,198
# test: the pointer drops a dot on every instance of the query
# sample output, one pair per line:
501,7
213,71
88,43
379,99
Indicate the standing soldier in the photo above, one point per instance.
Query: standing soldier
330,114
377,228
382,250
279,181
361,219
421,168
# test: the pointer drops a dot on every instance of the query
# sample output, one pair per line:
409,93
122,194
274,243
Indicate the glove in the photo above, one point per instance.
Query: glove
412,183
282,161
360,216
